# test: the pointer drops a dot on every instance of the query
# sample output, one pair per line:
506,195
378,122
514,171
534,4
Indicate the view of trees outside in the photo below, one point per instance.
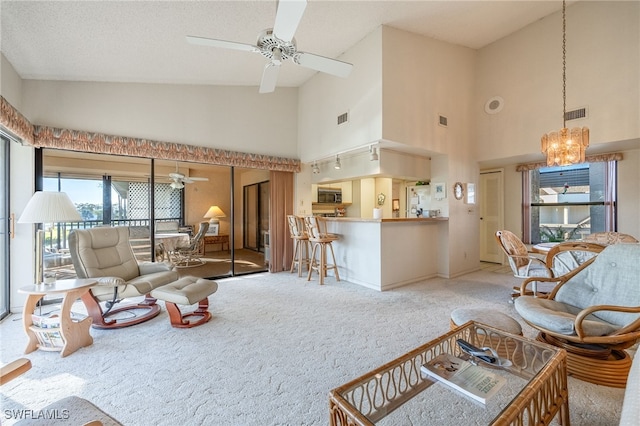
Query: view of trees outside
86,195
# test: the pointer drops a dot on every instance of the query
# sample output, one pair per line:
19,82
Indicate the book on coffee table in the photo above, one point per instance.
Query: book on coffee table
472,380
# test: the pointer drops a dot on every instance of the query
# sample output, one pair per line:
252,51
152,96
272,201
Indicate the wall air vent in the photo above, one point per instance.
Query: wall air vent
343,118
575,114
443,121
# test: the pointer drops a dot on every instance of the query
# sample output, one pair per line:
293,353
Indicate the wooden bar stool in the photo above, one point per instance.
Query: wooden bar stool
300,243
320,239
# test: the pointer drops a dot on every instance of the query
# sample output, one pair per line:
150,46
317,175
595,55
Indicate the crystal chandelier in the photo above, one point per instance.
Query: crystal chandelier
566,146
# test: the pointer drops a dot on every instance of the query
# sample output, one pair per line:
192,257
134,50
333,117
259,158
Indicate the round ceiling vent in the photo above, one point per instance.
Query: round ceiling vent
494,105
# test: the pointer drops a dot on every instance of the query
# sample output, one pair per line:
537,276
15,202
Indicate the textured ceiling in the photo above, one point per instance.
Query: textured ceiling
144,41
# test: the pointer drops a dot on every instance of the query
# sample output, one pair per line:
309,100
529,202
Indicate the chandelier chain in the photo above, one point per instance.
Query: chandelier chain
564,65
566,146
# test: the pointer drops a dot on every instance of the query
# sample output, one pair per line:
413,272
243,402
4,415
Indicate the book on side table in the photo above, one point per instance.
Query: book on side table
472,380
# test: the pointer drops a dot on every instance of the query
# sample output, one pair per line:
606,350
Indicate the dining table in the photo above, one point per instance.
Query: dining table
169,242
543,248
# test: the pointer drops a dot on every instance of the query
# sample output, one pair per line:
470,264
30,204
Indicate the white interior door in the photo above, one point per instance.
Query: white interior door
491,214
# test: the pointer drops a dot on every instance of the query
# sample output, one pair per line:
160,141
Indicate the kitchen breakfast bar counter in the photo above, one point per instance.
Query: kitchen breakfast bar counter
385,253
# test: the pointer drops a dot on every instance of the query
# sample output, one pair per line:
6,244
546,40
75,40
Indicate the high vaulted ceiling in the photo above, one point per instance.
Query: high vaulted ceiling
144,41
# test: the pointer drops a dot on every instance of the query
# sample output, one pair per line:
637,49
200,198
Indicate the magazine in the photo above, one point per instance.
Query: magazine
472,380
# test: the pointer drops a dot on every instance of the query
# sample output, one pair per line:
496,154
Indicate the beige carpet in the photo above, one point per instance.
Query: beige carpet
218,264
275,347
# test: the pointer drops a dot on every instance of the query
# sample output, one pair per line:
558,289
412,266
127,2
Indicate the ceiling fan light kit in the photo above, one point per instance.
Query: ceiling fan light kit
180,179
278,45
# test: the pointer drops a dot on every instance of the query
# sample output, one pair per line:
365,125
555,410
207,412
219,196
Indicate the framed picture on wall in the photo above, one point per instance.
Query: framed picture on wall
213,229
439,191
470,193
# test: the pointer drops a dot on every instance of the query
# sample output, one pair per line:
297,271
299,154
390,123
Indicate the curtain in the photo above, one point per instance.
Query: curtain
610,194
526,207
280,205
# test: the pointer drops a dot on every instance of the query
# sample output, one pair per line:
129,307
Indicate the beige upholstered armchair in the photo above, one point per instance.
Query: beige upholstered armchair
105,254
593,312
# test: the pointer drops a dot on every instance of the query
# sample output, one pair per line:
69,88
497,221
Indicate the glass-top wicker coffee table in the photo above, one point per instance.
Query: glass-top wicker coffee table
398,393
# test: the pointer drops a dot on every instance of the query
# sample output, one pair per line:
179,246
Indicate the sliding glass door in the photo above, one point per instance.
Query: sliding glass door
256,218
5,228
120,191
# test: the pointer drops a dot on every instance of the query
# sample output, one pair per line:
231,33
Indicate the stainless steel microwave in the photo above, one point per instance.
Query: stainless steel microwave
329,195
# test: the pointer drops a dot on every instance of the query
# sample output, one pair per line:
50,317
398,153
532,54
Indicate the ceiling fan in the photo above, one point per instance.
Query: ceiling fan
179,179
278,45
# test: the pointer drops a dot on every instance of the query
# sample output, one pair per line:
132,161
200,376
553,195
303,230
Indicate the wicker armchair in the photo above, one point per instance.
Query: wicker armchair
608,238
565,257
188,256
593,312
523,263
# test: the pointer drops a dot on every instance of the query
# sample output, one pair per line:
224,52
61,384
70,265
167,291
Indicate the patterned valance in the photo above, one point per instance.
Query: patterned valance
14,122
598,158
99,143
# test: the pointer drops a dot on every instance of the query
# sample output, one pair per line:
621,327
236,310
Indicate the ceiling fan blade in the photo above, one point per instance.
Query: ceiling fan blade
176,175
202,41
269,77
198,179
320,63
288,17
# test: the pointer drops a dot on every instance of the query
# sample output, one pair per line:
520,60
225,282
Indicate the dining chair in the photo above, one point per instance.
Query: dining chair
523,263
187,256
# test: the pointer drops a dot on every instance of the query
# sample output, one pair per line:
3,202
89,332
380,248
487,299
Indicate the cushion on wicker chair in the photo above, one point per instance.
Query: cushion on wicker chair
559,317
611,280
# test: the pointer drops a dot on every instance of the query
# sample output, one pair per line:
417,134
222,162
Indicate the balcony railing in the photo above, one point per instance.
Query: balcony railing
56,238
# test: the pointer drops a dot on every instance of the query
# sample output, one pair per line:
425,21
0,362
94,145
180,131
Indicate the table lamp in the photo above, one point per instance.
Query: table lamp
213,214
47,207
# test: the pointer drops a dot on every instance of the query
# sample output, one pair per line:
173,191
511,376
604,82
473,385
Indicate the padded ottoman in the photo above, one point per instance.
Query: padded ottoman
492,318
187,291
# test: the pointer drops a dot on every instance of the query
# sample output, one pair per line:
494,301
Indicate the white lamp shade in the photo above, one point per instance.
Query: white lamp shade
214,212
49,207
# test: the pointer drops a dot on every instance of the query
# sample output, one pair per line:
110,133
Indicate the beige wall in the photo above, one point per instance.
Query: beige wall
603,69
10,83
324,97
234,118
424,78
199,196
